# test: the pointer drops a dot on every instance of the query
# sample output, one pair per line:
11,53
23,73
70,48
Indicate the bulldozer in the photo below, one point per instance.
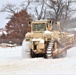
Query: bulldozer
48,40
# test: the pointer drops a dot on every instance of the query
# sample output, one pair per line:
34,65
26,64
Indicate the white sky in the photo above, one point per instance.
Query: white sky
3,16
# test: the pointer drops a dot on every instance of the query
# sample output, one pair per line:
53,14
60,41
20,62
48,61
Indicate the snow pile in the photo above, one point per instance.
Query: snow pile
25,49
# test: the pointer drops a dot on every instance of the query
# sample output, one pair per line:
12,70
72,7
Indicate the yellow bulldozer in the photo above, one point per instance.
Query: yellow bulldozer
48,40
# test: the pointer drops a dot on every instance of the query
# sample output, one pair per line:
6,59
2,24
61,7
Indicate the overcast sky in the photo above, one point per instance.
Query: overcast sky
3,16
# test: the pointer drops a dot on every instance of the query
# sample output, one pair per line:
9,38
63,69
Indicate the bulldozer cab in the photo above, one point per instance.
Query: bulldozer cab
40,26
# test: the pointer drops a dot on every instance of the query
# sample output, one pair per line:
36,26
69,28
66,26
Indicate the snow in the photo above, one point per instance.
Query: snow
47,32
5,32
10,53
38,39
25,49
12,63
1,32
70,35
72,52
71,29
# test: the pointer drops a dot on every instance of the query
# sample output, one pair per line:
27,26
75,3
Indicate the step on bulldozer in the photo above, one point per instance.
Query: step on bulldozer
47,39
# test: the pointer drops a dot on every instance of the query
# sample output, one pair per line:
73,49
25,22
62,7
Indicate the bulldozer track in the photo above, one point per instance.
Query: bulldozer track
49,50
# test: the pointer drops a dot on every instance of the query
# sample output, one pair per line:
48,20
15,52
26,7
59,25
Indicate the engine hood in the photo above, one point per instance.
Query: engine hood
34,35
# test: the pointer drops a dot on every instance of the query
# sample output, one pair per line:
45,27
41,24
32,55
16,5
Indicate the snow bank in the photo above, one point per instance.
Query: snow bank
71,52
10,53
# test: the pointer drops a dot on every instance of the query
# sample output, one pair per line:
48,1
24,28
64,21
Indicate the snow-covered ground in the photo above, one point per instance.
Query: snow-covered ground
12,63
10,53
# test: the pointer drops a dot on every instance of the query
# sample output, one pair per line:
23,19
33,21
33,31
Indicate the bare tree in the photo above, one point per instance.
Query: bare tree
59,8
40,14
68,10
25,4
36,8
10,8
43,9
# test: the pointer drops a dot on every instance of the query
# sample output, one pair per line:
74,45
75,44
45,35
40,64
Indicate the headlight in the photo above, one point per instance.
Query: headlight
27,39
